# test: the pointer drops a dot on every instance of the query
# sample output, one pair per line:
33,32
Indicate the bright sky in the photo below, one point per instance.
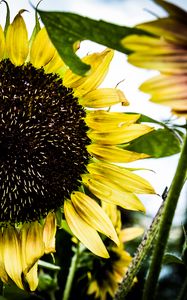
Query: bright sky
122,12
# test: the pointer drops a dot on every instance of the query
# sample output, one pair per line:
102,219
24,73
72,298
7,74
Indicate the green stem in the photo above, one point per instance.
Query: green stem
52,295
165,225
71,275
183,291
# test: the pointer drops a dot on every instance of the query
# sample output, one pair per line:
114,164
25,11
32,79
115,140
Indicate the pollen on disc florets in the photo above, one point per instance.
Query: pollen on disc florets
42,142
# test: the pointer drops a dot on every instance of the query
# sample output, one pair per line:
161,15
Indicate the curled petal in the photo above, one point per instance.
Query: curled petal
83,231
103,98
94,215
17,45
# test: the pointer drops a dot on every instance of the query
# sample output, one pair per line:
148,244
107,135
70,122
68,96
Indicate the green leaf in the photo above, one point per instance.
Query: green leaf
158,143
65,29
2,298
147,119
170,258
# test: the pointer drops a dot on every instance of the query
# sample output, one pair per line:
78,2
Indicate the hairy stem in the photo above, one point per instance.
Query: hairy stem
141,252
165,225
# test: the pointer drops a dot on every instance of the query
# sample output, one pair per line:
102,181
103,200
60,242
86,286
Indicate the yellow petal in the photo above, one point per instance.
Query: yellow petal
99,66
2,43
42,50
124,178
32,244
172,63
131,233
32,277
108,191
114,154
94,215
165,88
114,214
120,135
54,64
12,255
17,45
145,44
104,121
169,28
103,98
49,232
83,231
3,273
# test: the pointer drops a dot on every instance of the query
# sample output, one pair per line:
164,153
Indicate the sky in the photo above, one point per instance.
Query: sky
121,12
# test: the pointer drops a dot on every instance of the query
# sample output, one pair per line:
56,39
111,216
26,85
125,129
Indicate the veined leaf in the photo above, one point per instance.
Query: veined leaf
65,29
157,143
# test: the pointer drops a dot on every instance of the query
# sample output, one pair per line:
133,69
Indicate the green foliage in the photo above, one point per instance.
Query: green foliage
47,282
65,29
158,143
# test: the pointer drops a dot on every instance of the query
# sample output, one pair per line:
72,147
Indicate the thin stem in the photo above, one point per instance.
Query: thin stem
71,275
165,225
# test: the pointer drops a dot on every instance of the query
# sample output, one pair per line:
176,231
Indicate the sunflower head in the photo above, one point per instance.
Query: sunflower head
52,144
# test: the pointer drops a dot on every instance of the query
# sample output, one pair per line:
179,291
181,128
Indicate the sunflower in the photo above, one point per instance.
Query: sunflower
51,145
105,275
163,49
